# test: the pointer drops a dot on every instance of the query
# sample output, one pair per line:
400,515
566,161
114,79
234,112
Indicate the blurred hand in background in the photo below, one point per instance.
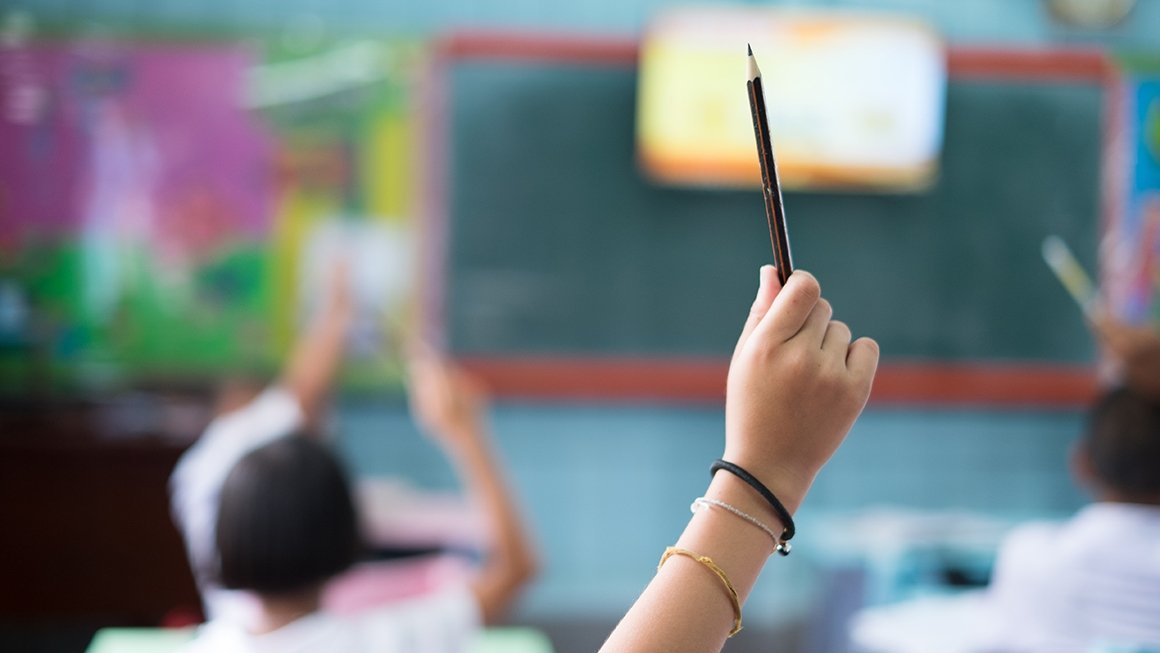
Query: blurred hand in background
1136,349
447,403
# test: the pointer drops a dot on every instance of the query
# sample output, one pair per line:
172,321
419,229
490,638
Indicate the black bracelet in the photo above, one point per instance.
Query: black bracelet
788,529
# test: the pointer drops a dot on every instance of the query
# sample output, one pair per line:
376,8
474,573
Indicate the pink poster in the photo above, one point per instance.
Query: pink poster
133,142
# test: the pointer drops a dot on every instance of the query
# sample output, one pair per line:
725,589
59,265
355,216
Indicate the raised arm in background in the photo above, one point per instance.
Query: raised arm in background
316,357
796,385
1137,349
450,406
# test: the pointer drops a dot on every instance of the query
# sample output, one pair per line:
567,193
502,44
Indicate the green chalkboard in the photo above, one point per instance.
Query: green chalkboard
558,245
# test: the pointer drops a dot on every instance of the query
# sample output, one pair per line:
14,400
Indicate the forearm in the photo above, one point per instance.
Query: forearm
686,606
315,360
510,560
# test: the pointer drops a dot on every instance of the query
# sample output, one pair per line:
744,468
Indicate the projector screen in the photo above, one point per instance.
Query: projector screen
854,100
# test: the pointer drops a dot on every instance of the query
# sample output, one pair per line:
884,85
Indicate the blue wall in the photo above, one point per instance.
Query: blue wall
607,487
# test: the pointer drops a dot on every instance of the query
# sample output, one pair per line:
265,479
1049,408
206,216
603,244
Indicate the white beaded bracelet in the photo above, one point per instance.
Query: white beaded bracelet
706,501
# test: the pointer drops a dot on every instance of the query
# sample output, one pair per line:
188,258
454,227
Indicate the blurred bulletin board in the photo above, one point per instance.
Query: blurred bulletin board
1132,270
167,209
559,271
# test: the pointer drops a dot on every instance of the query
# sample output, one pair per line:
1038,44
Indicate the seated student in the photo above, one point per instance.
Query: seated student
445,403
1096,578
1093,580
248,417
287,524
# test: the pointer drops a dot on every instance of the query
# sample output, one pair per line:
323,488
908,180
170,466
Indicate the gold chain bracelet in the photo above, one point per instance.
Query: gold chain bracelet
717,571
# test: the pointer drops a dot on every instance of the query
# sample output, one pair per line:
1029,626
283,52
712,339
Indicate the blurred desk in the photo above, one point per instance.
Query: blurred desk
948,624
163,640
140,640
911,553
885,556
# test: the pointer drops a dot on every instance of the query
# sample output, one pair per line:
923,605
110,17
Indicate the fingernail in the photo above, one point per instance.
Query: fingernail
763,276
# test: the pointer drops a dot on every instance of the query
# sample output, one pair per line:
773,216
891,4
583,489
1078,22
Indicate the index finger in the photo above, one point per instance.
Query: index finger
1114,334
790,308
767,289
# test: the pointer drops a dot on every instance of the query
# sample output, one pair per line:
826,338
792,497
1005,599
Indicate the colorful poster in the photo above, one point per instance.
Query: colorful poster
159,202
1132,251
344,120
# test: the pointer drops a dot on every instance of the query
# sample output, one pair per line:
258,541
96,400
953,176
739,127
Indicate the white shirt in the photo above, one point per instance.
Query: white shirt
1057,588
1092,580
196,484
440,623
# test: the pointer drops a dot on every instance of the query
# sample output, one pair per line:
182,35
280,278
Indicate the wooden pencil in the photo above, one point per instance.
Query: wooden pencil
770,186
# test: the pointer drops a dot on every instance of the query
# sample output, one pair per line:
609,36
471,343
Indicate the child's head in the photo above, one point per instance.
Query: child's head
1121,452
287,520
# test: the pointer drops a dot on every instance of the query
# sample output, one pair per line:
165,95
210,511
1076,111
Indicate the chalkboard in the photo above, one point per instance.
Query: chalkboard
558,245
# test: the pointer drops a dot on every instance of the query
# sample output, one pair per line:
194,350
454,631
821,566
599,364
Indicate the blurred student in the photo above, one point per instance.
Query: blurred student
1136,349
1060,588
1096,578
249,416
238,471
796,384
287,525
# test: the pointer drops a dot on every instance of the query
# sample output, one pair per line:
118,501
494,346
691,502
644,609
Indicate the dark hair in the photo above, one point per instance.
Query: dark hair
1123,444
286,520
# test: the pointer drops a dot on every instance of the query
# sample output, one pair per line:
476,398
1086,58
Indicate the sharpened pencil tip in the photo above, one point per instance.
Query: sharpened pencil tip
749,48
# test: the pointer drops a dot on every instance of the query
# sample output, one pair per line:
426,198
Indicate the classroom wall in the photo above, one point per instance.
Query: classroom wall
977,21
607,486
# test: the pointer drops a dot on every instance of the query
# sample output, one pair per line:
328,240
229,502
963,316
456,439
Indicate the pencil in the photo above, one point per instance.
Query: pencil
1071,274
770,187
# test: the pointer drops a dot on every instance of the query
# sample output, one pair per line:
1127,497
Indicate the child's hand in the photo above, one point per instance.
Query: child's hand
1137,349
445,402
340,294
796,385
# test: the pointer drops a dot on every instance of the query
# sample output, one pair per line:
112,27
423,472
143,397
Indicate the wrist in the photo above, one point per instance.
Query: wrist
787,483
467,445
728,488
